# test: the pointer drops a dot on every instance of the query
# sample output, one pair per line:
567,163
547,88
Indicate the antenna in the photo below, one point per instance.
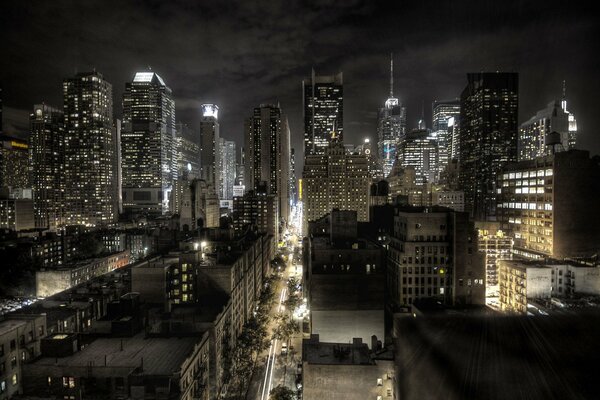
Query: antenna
391,75
563,103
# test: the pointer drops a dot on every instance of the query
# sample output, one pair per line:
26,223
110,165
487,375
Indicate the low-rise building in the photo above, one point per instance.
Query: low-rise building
345,371
52,281
521,283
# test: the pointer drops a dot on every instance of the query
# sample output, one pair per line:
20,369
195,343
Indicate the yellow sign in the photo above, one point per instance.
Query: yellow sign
19,145
299,189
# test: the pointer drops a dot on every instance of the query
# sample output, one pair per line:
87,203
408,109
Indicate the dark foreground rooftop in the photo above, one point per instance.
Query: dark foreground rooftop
498,357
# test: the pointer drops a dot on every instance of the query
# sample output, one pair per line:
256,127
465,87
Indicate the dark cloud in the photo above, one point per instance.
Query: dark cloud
241,54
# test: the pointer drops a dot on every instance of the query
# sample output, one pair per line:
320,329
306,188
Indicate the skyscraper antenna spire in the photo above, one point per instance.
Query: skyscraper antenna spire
564,92
391,75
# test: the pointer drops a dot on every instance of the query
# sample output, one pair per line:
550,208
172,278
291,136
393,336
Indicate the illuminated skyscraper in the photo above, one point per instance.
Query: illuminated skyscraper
533,133
323,98
443,111
267,146
148,146
228,167
91,183
209,145
47,162
420,152
488,136
391,128
572,121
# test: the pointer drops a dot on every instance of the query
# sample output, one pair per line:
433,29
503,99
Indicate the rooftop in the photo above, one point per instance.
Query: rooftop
9,325
316,352
161,356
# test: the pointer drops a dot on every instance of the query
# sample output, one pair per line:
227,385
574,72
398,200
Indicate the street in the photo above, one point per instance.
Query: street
278,368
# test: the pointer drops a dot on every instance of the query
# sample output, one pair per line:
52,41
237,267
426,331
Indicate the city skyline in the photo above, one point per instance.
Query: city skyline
431,62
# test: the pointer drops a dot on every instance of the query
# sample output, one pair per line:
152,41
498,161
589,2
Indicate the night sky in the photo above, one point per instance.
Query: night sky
242,54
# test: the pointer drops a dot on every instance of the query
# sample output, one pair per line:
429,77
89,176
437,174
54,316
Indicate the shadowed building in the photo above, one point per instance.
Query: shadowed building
488,137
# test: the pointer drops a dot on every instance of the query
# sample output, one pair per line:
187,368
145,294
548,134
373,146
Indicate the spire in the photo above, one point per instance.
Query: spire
391,75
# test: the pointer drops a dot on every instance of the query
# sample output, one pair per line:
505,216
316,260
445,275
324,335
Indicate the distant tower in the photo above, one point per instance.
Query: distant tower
209,145
572,121
323,97
391,127
267,146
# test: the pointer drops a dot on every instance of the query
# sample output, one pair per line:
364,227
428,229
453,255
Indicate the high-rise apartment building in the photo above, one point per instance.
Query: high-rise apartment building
148,145
323,99
549,205
420,151
337,180
442,112
47,163
209,145
534,139
495,244
488,136
267,147
391,128
91,187
293,187
228,168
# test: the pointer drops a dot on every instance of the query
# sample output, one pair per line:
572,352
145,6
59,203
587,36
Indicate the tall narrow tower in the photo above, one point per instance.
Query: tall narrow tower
391,127
148,146
91,184
572,120
209,145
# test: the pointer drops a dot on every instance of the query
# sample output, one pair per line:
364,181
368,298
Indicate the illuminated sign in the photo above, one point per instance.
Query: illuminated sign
300,189
210,110
19,145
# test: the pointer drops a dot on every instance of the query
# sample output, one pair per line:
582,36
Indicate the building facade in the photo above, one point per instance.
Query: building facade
442,112
488,136
335,180
323,112
91,184
267,155
47,164
533,134
209,145
420,152
148,145
228,168
546,205
433,254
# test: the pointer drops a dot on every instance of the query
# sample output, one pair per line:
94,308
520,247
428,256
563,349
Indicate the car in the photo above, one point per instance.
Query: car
284,349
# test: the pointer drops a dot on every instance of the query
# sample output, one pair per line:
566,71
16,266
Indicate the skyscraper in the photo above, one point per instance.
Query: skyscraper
14,162
209,145
323,111
488,136
149,164
572,120
442,112
228,168
420,152
533,133
391,127
90,180
267,146
47,160
188,152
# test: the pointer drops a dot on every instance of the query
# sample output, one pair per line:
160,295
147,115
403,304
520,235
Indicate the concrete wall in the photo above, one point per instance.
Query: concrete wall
539,283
